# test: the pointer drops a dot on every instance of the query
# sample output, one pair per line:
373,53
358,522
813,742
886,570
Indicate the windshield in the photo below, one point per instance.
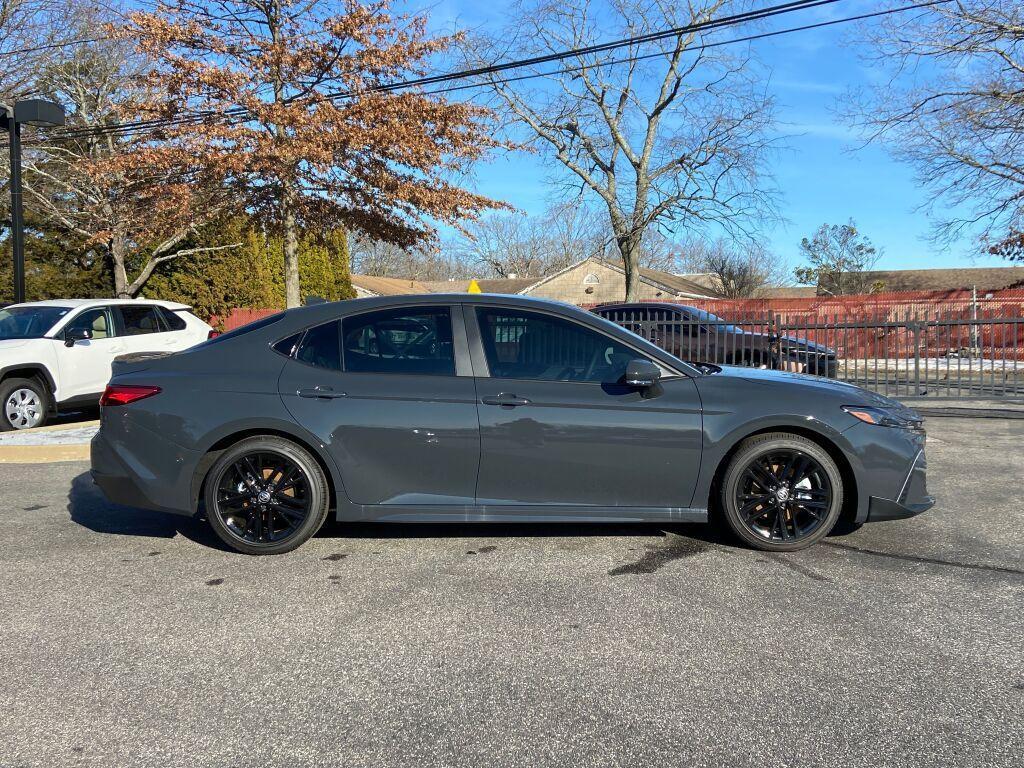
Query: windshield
29,322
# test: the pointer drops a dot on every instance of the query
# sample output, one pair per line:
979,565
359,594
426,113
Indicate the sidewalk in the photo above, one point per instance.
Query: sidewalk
62,442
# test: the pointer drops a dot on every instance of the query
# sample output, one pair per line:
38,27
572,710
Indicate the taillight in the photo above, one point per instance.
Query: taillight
122,394
212,334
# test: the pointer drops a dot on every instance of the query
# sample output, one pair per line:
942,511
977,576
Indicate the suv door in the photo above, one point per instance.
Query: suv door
559,428
390,394
85,365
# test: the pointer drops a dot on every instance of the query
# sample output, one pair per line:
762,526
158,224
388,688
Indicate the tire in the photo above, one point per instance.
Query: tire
25,404
763,515
249,473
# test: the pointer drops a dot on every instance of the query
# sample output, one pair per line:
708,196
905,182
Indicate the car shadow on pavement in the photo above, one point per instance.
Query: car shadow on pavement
89,508
348,530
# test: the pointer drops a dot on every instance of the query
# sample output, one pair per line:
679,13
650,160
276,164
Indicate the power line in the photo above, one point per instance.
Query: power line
710,24
241,114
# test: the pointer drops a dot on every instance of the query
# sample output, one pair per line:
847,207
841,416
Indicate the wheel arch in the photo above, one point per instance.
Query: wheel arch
225,441
851,496
30,371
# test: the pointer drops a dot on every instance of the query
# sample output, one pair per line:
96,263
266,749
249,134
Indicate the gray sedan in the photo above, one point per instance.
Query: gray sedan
487,408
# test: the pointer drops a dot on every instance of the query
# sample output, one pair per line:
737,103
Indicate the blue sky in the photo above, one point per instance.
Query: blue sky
823,175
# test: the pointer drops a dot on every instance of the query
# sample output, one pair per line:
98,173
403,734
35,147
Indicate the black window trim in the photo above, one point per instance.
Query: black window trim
479,354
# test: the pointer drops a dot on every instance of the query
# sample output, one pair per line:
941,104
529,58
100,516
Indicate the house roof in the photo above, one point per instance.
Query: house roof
984,278
388,286
499,285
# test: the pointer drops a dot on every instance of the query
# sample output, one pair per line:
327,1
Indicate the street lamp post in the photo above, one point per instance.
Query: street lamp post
30,112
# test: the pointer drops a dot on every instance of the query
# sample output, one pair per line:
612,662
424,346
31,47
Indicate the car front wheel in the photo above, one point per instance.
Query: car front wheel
781,492
25,404
266,496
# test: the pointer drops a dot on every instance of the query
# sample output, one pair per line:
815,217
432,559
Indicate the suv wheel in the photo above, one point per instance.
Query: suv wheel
25,404
781,492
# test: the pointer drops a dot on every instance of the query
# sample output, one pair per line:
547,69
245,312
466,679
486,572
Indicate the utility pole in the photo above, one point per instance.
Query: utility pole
33,112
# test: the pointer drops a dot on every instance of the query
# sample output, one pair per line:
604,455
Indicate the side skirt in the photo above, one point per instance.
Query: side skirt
395,513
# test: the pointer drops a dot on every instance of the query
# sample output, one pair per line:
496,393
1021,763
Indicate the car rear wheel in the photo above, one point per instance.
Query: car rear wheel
781,492
25,404
266,496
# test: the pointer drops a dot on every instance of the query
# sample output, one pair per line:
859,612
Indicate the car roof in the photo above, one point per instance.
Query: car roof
76,303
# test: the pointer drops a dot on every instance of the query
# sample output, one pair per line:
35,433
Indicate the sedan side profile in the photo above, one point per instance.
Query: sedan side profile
491,408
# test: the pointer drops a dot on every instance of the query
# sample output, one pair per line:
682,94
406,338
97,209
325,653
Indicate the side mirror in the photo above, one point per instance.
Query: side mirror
76,334
642,373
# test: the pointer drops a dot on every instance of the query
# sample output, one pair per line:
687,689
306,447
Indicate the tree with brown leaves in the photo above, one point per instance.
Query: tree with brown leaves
293,123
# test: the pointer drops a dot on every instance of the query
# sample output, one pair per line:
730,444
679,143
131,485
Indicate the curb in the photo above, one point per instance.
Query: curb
43,454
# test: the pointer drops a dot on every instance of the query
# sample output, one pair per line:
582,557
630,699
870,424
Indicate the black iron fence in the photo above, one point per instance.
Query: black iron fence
919,354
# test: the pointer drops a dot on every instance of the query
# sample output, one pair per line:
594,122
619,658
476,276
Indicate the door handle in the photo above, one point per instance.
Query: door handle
319,392
504,399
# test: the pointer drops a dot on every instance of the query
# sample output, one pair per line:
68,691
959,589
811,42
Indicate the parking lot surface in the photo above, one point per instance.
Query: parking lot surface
132,638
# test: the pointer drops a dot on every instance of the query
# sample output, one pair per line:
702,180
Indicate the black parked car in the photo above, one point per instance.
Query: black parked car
694,334
491,408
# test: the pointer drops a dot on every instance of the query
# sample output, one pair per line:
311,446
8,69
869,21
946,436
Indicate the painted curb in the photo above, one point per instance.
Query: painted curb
43,454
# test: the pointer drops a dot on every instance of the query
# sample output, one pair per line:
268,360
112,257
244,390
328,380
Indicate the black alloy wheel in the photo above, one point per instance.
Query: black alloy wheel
266,496
782,492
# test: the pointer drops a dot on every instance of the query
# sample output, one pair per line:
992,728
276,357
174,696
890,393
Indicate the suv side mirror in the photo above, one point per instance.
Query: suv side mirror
642,373
76,334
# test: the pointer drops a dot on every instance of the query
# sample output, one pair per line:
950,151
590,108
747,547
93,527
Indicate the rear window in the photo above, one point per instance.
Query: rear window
173,320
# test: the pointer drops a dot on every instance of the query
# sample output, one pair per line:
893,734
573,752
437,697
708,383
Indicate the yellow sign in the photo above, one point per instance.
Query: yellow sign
474,287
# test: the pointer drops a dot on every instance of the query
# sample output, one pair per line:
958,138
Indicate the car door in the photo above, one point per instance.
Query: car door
85,365
390,393
559,427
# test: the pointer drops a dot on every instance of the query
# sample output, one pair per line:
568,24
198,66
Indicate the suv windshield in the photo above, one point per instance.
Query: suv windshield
29,322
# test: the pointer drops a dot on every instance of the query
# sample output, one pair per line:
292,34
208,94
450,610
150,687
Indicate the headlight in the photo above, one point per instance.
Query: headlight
883,417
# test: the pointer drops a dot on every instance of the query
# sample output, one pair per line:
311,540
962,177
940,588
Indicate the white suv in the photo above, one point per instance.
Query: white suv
58,353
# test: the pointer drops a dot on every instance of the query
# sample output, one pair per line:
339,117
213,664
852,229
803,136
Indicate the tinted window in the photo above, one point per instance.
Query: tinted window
172,319
321,347
139,320
286,346
409,341
95,321
29,322
528,345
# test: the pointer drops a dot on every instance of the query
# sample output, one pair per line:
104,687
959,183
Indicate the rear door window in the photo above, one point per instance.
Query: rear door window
138,320
413,341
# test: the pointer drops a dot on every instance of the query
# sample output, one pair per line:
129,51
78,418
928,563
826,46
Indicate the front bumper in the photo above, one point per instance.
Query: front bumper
913,498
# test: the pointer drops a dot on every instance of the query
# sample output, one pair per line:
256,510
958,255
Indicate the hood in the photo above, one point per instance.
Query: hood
12,344
853,394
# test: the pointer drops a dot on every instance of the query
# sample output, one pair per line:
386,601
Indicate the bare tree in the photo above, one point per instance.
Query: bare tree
136,216
517,245
35,29
671,142
839,260
952,107
382,259
739,270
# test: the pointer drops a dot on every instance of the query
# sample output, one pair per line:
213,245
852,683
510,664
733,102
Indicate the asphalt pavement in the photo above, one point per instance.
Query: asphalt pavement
131,638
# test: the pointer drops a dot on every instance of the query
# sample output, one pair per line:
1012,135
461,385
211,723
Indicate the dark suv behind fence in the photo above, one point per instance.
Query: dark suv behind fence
694,334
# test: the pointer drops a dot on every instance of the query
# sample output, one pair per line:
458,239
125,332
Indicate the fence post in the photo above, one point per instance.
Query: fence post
916,330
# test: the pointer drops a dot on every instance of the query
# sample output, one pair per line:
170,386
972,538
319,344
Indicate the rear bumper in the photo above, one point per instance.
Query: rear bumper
138,468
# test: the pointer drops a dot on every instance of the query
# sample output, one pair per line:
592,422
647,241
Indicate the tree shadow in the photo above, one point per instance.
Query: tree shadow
88,507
